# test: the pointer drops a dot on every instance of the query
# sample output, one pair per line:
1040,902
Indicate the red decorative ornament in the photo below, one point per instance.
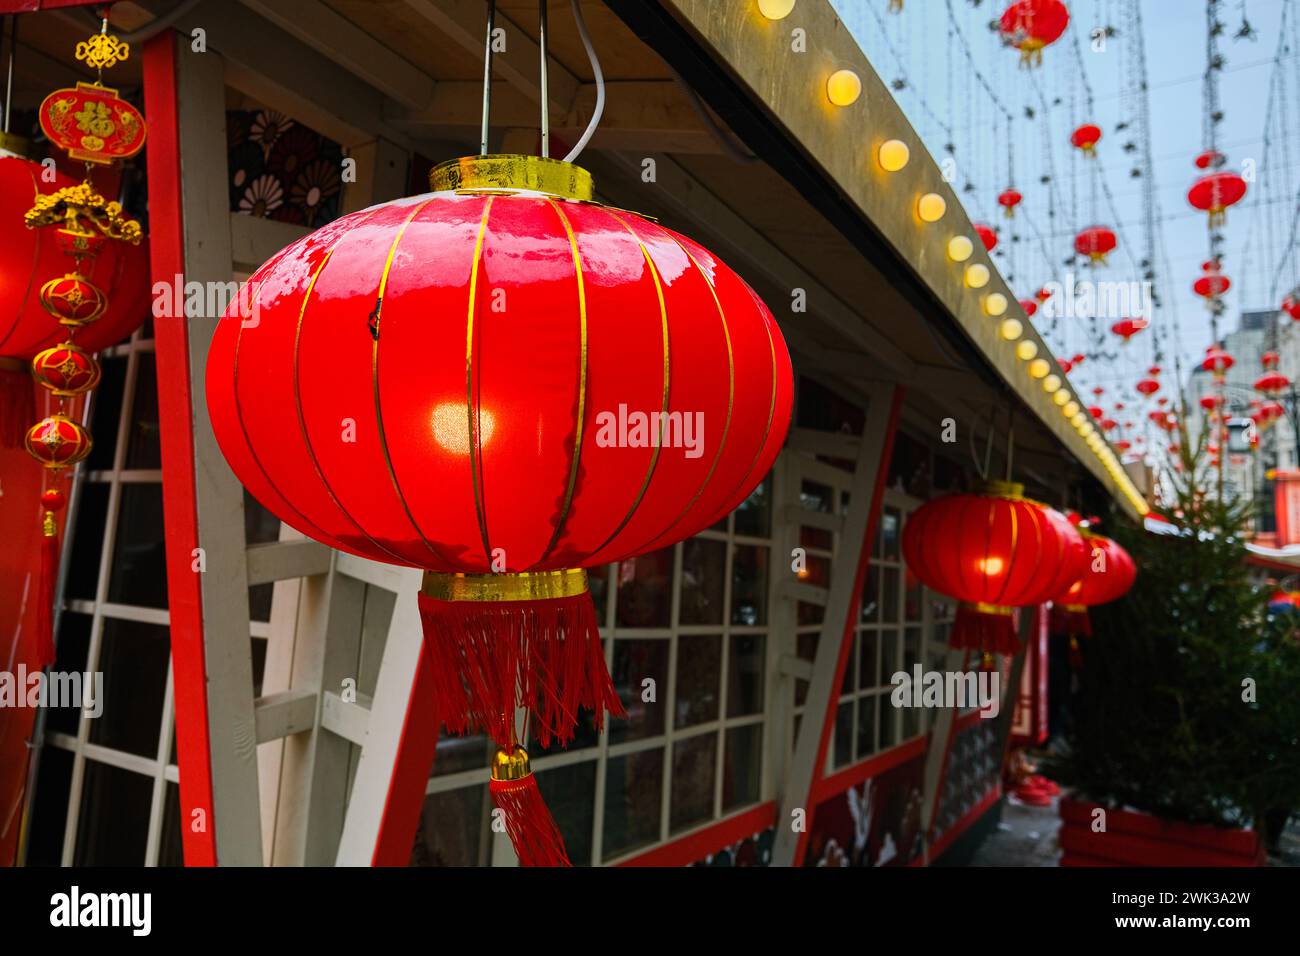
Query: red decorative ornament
1272,383
1214,193
1095,242
92,124
1123,444
987,236
1212,285
1269,412
1154,370
57,442
1211,402
1043,294
993,551
1127,328
1109,424
1270,359
1077,359
1032,25
1030,306
1210,159
1009,199
503,450
1158,417
1217,361
1148,386
1085,139
1097,412
1107,575
66,370
1291,306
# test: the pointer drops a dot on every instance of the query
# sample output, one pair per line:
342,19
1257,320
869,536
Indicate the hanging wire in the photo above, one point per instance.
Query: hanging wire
487,76
600,84
545,84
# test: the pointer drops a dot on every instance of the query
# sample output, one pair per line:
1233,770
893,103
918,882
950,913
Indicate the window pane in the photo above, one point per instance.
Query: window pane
704,574
912,596
87,541
73,648
260,526
694,761
742,766
645,590
844,733
570,793
871,595
889,659
753,516
133,657
455,754
867,724
113,824
850,669
453,829
805,649
139,571
699,678
889,595
171,851
259,602
143,449
749,585
633,786
889,725
745,675
598,584
634,662
50,807
105,409
869,660
890,522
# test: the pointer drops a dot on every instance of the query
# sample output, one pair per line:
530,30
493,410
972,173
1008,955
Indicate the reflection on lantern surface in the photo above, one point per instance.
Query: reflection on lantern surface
990,566
451,427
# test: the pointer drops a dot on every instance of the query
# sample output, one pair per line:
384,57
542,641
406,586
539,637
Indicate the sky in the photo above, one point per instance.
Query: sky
950,101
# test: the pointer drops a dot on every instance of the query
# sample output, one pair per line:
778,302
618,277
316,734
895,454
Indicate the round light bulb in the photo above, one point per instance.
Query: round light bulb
1010,329
843,88
893,155
1038,368
931,207
775,9
1078,419
1051,383
960,248
977,275
1070,409
1062,396
995,304
1026,350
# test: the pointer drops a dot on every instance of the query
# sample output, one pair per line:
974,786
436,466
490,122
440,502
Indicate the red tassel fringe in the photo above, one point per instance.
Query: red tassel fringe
491,657
1069,620
981,631
17,406
529,824
45,601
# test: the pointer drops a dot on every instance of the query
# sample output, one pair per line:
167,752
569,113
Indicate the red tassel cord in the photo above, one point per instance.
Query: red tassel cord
528,822
490,657
991,632
17,402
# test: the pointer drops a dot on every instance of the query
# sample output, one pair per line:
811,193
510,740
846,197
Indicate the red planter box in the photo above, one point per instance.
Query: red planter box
1139,839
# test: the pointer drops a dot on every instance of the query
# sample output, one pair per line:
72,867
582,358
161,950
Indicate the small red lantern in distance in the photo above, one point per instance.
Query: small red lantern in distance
1123,444
1272,382
1214,193
1109,424
1043,294
1098,390
1211,402
1270,359
1096,411
993,551
1085,138
1095,242
1031,25
1108,574
1077,359
1291,306
1127,328
1154,370
1212,285
1210,159
1009,199
1148,386
987,236
1217,361
1030,306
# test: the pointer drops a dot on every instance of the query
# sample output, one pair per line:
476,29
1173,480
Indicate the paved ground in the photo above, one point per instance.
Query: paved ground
1027,837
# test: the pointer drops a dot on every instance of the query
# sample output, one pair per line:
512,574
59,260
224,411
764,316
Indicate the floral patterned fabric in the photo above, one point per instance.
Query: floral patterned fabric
280,169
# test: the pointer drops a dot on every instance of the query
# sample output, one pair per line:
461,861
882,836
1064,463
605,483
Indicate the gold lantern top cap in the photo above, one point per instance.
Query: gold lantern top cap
1012,490
553,177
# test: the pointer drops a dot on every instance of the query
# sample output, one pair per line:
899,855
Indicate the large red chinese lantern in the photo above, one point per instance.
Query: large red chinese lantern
993,551
535,384
1214,193
1107,575
1085,139
1095,242
1031,25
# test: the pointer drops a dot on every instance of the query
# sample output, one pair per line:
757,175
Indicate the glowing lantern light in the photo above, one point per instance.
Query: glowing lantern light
1108,574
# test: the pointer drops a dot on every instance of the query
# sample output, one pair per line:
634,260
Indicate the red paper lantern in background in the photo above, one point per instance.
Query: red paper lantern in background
1096,411
1077,359
993,551
1031,25
1212,285
1214,193
1123,444
1291,306
1085,138
111,295
1272,383
1095,242
1217,361
1107,575
1108,424
1211,158
1066,366
1268,413
1030,306
987,236
1043,294
1009,199
500,352
1148,386
1154,370
1127,328
1270,359
1211,402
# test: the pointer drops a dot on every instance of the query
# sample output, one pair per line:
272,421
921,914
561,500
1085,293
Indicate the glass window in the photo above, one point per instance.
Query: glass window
699,671
138,574
113,824
749,586
704,577
633,791
636,661
645,590
694,764
742,766
133,658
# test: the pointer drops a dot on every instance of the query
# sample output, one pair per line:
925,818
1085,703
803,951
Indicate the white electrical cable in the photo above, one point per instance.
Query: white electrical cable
600,82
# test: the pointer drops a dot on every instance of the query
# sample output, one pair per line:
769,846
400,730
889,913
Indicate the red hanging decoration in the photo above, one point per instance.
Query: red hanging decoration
1214,193
1148,386
1272,383
1030,307
1085,139
1009,199
1127,328
987,236
1095,242
1213,284
1210,159
538,384
1291,306
1032,25
1107,574
993,551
